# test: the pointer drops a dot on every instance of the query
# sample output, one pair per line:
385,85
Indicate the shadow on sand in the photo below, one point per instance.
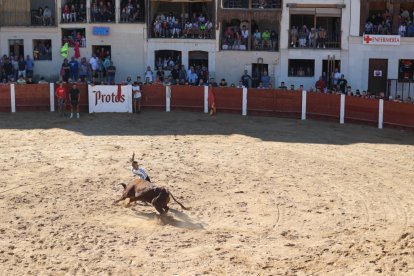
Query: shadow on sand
179,220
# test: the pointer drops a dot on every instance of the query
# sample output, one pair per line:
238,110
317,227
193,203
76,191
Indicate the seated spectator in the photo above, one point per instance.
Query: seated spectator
320,85
21,80
42,80
282,86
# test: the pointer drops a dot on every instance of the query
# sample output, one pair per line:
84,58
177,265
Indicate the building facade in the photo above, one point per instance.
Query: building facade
295,41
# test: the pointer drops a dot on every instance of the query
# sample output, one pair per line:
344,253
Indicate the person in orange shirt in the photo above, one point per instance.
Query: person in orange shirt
60,94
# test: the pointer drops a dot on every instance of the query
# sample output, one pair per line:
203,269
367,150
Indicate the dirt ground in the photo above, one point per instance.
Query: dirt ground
268,196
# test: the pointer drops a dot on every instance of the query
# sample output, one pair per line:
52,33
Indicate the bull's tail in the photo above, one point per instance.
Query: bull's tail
182,206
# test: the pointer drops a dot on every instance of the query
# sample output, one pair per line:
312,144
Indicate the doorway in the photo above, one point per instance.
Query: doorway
377,78
257,72
328,69
102,51
198,58
16,47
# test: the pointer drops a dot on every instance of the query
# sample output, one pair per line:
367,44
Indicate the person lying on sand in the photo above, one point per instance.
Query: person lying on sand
137,170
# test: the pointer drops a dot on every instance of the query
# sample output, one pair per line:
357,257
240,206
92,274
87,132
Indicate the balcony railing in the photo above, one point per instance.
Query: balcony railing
314,40
27,18
161,29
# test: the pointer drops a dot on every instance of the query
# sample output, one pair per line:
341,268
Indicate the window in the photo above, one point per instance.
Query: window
42,13
301,68
315,28
16,47
132,11
167,59
406,69
73,36
42,49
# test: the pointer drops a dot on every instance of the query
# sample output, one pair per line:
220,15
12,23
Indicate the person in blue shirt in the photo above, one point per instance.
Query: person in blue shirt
29,67
74,68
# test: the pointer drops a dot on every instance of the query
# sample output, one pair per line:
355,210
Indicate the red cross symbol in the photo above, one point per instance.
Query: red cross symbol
367,39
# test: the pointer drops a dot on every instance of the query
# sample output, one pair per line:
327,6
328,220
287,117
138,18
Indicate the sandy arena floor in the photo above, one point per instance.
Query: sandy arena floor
268,196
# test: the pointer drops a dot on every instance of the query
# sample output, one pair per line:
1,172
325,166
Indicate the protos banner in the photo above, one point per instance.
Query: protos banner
110,98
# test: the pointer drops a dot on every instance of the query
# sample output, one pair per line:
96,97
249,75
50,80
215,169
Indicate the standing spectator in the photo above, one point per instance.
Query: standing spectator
149,75
273,40
136,92
74,69
47,16
336,76
111,73
15,65
265,79
8,69
293,36
22,67
29,67
94,65
342,84
83,70
65,70
245,79
74,100
257,37
60,94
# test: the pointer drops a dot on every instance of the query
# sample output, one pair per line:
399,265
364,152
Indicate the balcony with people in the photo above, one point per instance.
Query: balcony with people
183,20
387,18
314,32
73,11
31,13
102,11
237,36
252,4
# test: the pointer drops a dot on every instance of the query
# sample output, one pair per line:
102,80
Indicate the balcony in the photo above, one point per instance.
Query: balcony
253,4
26,19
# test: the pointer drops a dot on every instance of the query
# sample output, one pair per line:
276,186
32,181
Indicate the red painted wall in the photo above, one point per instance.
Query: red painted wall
5,105
153,95
187,97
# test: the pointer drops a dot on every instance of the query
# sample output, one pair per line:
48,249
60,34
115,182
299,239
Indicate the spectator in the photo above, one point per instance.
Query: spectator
74,95
282,86
22,67
265,79
223,83
245,79
74,68
111,73
42,80
47,16
320,85
29,66
149,75
21,80
65,70
342,84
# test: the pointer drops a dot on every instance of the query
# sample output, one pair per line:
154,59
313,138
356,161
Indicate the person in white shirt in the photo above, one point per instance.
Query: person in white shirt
136,92
137,170
336,76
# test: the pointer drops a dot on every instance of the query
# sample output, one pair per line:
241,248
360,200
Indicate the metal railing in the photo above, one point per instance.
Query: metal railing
400,87
330,41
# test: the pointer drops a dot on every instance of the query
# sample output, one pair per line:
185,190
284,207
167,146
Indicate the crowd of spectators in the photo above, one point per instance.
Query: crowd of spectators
103,11
237,36
74,37
174,26
381,23
15,69
304,37
131,11
74,11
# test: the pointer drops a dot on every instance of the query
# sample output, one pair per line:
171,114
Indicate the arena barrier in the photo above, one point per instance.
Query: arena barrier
265,102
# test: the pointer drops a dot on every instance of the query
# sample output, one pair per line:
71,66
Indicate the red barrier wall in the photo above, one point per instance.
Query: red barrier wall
360,109
187,97
32,97
288,103
228,99
320,105
5,105
260,101
153,95
399,114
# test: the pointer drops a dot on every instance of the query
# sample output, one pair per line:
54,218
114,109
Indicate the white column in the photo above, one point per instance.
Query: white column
342,110
90,99
13,98
244,102
205,99
304,105
168,98
117,10
52,96
381,113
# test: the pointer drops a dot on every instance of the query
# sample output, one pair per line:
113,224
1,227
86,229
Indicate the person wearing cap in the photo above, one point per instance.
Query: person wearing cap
138,170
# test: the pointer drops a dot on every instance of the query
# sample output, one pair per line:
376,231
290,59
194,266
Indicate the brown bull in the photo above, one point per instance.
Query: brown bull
141,190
